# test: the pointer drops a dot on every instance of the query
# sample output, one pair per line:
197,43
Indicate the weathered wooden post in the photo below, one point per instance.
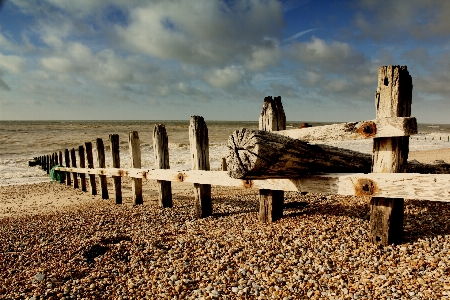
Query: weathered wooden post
199,146
161,153
135,162
56,159
272,118
82,165
49,164
73,158
102,164
392,99
117,180
90,165
63,174
223,166
67,159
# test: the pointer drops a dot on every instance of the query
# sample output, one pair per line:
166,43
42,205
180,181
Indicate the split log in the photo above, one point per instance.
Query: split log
161,153
135,162
256,154
199,146
390,155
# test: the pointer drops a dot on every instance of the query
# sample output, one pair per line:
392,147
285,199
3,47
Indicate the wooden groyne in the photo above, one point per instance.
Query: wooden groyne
273,160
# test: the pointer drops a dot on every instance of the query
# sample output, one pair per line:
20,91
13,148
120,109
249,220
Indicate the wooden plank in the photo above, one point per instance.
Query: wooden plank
73,159
82,165
90,165
67,161
135,162
102,164
272,118
199,146
390,154
117,182
434,187
256,154
161,153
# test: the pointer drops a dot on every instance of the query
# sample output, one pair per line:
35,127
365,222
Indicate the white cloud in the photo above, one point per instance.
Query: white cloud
12,63
224,78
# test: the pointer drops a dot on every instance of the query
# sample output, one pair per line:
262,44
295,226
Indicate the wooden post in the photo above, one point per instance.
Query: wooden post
67,159
73,158
56,159
63,174
82,165
161,152
135,162
223,166
392,99
199,145
90,165
102,164
272,118
48,167
117,180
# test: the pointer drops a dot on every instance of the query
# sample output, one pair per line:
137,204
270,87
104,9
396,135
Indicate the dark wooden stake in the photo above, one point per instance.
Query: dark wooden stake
102,164
82,165
73,158
48,164
272,118
161,152
135,162
63,174
199,144
392,99
67,160
90,165
117,180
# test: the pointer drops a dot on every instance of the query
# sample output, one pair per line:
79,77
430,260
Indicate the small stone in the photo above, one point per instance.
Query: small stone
39,277
235,289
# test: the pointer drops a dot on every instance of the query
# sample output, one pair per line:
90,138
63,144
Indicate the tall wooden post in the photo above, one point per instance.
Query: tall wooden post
73,158
90,165
67,160
63,174
117,180
199,145
102,164
49,164
56,159
161,152
135,162
392,99
272,118
82,165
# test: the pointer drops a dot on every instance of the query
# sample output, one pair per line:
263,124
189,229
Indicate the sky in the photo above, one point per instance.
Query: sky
172,59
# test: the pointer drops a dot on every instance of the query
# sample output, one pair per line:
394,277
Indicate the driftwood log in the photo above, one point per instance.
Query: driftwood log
256,154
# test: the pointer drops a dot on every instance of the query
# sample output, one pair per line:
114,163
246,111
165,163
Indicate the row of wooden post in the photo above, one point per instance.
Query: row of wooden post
392,99
198,136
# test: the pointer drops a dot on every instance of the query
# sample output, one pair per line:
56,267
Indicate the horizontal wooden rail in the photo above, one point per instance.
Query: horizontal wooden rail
385,127
406,185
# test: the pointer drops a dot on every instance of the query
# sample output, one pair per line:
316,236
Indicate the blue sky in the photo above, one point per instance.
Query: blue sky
170,59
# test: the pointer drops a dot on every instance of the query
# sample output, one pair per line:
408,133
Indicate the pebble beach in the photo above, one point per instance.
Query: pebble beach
61,243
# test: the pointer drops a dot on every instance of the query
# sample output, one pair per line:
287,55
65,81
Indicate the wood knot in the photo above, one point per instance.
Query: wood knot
248,184
367,129
365,187
180,177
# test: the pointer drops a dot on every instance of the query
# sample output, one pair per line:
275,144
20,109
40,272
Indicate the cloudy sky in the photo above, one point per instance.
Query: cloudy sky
170,59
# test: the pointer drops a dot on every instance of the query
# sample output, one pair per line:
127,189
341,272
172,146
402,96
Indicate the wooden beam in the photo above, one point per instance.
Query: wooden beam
407,185
386,127
161,153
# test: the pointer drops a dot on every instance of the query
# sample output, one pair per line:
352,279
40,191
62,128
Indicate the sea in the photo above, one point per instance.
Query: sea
21,141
